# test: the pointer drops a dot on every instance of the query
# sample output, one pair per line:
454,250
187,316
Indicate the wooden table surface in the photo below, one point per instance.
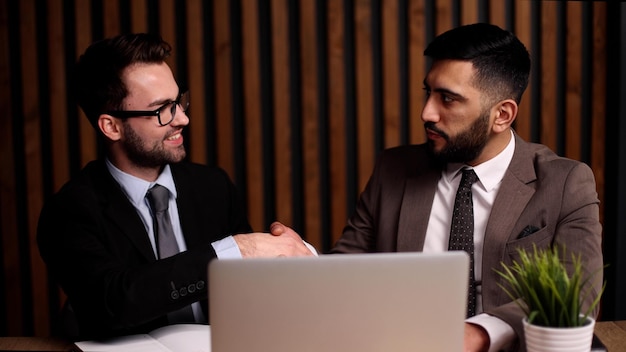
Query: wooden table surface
36,344
612,334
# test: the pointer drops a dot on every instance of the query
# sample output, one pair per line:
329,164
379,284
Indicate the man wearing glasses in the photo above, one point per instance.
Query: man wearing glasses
129,260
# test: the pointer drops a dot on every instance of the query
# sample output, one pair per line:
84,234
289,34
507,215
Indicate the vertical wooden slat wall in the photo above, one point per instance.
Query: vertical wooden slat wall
294,99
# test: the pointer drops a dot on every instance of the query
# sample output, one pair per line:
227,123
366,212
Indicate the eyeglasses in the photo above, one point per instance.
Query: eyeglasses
160,113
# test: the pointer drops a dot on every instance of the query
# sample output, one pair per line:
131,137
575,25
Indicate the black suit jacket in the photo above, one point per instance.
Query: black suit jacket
96,246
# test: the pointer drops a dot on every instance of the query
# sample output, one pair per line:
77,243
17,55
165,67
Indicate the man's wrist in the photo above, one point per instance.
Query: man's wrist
501,335
476,338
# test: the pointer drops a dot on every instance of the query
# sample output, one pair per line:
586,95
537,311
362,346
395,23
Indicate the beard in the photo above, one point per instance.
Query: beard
464,147
144,155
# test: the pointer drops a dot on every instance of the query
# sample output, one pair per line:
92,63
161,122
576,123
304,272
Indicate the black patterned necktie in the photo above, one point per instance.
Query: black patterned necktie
462,231
159,198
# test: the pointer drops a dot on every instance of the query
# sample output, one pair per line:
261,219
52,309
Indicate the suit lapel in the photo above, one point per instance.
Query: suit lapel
186,210
125,216
189,211
415,210
118,209
514,194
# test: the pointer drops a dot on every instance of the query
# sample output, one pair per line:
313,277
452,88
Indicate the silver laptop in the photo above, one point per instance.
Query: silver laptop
343,302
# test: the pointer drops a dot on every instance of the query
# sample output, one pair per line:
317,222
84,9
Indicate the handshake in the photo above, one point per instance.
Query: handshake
281,241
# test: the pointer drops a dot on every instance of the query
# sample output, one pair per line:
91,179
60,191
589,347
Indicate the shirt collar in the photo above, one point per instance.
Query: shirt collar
136,188
490,172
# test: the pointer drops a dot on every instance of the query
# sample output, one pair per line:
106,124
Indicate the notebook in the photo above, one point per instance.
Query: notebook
343,302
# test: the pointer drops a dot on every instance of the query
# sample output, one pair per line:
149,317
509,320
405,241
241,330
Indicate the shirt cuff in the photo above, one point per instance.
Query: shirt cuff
311,248
501,334
226,248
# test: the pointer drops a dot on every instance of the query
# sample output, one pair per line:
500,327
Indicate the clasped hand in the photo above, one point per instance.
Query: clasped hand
281,241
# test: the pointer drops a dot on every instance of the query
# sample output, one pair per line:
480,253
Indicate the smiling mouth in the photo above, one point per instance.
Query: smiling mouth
175,135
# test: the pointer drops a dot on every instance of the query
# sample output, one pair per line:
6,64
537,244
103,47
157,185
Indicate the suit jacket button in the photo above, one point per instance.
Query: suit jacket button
174,294
191,288
183,291
200,285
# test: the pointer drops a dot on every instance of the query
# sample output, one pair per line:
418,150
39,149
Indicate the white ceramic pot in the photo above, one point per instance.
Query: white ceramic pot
548,339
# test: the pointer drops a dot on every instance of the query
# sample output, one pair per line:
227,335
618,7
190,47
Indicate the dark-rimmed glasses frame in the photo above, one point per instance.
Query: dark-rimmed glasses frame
182,101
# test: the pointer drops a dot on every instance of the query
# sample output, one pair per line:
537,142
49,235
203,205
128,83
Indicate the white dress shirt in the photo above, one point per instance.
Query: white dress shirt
484,192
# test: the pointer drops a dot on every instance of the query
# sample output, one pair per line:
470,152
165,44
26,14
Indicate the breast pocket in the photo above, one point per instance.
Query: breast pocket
541,238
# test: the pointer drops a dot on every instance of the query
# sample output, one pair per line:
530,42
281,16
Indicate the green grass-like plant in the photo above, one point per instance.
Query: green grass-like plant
549,295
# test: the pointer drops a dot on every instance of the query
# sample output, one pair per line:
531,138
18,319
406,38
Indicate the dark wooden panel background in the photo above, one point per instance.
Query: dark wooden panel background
294,98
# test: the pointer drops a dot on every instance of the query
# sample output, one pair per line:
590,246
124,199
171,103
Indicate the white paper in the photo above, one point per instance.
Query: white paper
172,338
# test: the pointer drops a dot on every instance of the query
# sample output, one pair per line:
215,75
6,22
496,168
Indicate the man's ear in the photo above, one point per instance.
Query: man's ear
110,127
506,112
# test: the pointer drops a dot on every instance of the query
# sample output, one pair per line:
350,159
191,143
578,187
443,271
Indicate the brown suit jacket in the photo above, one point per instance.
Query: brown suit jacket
544,199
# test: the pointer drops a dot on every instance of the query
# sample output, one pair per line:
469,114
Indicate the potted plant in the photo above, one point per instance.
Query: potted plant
551,297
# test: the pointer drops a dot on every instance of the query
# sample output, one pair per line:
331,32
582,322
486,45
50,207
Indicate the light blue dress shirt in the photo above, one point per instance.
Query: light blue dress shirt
135,190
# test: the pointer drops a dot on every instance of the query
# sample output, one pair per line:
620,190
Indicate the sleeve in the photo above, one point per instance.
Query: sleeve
359,233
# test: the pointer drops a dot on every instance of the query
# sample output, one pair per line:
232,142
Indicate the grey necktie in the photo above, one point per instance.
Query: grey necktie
462,231
159,197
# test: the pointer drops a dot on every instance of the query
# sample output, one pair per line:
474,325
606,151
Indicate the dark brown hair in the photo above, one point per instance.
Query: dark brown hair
501,61
98,85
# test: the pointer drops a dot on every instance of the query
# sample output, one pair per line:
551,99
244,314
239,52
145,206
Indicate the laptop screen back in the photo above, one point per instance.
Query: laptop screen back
357,302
